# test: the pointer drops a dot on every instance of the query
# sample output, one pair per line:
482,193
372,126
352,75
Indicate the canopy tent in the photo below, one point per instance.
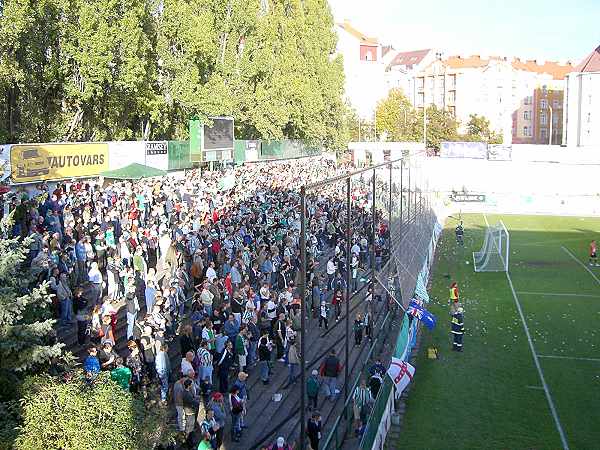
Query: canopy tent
133,171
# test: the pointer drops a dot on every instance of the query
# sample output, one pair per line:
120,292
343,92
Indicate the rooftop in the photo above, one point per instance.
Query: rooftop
409,58
345,25
553,68
591,63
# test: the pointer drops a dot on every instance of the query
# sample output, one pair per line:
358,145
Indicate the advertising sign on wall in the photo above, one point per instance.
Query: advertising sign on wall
37,162
157,154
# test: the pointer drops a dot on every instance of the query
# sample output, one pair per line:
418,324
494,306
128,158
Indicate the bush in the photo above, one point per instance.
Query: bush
72,414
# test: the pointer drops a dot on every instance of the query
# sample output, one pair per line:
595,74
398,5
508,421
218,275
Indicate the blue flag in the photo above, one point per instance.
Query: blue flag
416,309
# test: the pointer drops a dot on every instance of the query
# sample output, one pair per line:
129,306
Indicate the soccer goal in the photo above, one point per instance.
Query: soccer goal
493,256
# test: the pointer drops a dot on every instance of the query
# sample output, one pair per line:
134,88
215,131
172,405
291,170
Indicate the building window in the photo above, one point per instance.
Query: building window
452,81
452,97
527,115
421,100
555,104
452,110
589,118
544,133
543,118
528,100
544,90
543,103
420,83
554,119
526,131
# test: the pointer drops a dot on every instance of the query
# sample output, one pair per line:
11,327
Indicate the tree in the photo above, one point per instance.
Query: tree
396,117
69,412
26,329
441,126
478,129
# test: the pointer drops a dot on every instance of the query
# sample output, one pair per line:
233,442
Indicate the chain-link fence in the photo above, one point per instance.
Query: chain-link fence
379,222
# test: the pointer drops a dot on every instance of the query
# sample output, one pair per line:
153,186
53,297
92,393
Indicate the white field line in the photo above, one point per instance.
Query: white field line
575,358
568,252
557,294
537,362
535,387
555,241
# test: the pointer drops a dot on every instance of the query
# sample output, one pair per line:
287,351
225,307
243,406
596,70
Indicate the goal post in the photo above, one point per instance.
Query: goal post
495,251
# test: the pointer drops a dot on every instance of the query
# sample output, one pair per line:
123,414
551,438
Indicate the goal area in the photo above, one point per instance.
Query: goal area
493,256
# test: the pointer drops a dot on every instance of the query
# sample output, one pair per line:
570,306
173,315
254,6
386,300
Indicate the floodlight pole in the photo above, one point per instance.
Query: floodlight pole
302,316
348,263
390,212
373,237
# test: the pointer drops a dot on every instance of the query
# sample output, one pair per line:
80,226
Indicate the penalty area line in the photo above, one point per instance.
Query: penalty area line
577,260
574,358
557,294
539,368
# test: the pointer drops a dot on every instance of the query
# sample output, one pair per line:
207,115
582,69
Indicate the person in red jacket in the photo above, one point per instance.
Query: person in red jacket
593,256
329,370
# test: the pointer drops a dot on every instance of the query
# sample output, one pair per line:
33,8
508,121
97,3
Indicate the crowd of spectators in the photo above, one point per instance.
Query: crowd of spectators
208,271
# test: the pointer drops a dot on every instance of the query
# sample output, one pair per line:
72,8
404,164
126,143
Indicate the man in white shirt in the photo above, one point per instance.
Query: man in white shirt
331,269
211,273
355,250
186,364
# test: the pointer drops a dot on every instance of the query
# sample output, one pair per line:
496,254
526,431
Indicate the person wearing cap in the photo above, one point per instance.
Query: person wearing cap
313,385
313,430
457,328
216,404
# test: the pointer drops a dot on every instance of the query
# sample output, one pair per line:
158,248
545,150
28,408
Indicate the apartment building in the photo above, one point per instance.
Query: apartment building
401,68
364,69
499,88
582,103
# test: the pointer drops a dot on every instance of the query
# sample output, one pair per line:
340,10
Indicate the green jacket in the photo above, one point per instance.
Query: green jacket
312,386
122,376
240,345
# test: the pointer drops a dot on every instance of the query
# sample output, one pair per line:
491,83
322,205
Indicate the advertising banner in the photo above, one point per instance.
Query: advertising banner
123,153
4,162
476,150
37,162
157,154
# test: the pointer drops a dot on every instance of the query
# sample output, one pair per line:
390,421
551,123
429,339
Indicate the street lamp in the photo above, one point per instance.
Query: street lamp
550,108
550,118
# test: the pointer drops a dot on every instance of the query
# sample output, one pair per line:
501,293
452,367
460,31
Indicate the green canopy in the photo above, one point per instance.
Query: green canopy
133,171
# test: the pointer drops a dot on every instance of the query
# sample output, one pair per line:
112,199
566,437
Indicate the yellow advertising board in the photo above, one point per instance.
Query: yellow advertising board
37,162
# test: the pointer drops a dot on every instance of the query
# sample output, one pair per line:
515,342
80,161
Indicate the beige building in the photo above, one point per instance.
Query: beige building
500,89
363,69
582,103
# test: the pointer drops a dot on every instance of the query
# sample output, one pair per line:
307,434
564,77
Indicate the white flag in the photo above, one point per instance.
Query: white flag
401,374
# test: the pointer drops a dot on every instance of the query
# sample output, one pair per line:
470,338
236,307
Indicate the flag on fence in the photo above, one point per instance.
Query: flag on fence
401,374
416,309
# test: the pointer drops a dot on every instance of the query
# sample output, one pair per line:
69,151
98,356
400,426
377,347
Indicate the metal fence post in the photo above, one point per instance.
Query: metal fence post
390,209
302,316
373,237
347,344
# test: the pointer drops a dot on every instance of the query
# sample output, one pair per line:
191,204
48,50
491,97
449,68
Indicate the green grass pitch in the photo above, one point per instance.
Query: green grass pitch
491,396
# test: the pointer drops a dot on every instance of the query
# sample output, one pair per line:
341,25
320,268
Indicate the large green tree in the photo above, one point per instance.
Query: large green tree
396,117
478,129
132,69
441,126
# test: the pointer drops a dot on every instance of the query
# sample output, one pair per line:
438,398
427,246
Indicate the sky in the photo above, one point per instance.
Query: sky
530,29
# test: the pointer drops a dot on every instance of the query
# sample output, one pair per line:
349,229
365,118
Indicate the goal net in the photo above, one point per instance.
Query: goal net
493,256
